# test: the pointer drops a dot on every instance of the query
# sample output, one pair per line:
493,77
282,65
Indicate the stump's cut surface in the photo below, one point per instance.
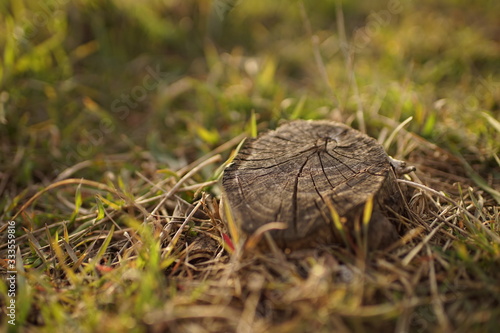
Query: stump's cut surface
293,174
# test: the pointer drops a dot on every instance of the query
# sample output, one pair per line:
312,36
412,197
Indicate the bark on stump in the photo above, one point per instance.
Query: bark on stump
299,172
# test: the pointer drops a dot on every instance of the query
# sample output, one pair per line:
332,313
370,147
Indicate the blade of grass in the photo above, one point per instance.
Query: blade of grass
436,297
78,203
317,54
219,172
297,111
255,238
65,233
100,209
65,182
233,229
497,159
253,124
480,180
179,231
23,297
181,181
70,251
337,223
100,253
493,122
35,246
61,257
480,225
367,215
84,255
391,137
222,148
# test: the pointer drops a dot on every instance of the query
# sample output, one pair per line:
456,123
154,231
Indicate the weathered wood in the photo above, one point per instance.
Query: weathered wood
295,174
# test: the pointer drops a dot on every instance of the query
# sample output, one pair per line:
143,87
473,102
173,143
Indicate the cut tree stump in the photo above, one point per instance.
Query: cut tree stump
304,174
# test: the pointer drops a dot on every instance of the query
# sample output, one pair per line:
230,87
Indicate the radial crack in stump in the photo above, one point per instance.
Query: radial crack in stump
297,173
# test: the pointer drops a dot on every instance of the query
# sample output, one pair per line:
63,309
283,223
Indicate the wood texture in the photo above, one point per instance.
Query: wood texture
294,173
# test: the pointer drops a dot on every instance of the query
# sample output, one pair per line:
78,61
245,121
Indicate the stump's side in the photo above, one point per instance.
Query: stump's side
293,175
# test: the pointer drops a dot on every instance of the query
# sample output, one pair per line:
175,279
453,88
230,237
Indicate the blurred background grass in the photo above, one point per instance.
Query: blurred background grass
100,89
81,80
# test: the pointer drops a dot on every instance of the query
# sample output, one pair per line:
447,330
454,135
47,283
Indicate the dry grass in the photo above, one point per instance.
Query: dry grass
170,265
134,242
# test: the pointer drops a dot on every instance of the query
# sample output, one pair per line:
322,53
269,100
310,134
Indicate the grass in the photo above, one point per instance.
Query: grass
117,118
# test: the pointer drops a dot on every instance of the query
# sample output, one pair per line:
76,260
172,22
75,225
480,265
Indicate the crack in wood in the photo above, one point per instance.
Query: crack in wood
295,192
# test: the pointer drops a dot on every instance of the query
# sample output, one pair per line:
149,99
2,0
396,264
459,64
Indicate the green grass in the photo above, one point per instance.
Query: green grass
117,118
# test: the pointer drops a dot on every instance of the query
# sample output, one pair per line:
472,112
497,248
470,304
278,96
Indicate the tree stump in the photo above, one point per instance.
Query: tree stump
305,173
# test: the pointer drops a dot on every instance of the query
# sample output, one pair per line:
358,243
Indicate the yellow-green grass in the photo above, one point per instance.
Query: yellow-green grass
118,117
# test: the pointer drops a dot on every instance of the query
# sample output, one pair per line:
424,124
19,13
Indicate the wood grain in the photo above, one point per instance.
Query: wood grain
292,174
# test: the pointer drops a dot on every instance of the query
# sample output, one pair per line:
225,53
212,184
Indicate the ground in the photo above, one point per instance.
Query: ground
118,117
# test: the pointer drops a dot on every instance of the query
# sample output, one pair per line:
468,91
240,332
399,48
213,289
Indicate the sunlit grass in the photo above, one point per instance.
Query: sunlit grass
116,119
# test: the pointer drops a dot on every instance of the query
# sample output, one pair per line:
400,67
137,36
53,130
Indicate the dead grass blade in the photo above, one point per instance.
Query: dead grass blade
170,247
181,181
437,302
65,182
222,148
255,238
478,223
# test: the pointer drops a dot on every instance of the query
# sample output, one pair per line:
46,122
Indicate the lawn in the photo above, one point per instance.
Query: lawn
117,119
